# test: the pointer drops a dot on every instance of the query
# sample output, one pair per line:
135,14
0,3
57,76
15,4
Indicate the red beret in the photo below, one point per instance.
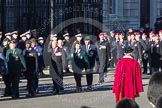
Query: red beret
105,33
156,35
121,33
143,33
160,31
128,35
102,34
137,33
116,33
151,32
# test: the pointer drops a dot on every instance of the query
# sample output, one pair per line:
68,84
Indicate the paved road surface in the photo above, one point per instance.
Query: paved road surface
101,97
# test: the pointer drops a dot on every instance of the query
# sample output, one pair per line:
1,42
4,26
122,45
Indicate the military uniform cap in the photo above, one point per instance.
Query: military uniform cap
130,28
23,35
66,34
14,32
34,30
28,32
78,35
40,38
54,35
8,34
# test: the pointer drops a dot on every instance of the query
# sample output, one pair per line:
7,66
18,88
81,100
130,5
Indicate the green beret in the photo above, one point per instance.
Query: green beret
28,42
33,40
5,39
77,42
13,41
87,38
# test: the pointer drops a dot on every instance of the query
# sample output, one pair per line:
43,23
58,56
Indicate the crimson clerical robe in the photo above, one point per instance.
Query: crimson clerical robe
128,81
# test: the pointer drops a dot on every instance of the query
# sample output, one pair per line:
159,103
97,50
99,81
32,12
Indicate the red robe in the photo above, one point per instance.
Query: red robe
128,81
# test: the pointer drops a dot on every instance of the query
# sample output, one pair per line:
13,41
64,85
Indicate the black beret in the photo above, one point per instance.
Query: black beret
128,49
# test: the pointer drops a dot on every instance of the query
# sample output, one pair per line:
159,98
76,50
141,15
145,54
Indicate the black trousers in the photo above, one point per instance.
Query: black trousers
145,62
113,62
161,64
77,78
31,83
102,71
89,78
14,82
154,69
57,84
6,79
36,83
101,76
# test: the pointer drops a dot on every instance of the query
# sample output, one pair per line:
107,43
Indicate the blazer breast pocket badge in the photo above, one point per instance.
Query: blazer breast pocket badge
58,54
102,47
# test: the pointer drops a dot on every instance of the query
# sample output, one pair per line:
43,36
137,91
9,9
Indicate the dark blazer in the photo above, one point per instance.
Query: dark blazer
31,58
120,46
104,54
56,63
79,61
91,54
15,60
137,51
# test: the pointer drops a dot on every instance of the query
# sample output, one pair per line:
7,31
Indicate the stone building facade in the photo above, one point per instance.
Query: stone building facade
131,13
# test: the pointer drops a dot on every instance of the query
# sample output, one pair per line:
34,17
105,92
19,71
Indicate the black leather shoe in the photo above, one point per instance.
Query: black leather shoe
15,97
149,74
6,95
101,81
78,89
144,72
31,95
89,88
55,92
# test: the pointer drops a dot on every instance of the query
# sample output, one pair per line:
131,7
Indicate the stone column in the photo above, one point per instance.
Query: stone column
119,8
105,14
52,12
153,12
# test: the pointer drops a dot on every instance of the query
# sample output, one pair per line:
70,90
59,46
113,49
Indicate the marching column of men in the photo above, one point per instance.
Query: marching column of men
20,55
24,54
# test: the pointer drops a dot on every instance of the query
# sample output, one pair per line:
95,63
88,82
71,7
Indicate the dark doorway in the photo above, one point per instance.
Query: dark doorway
144,12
